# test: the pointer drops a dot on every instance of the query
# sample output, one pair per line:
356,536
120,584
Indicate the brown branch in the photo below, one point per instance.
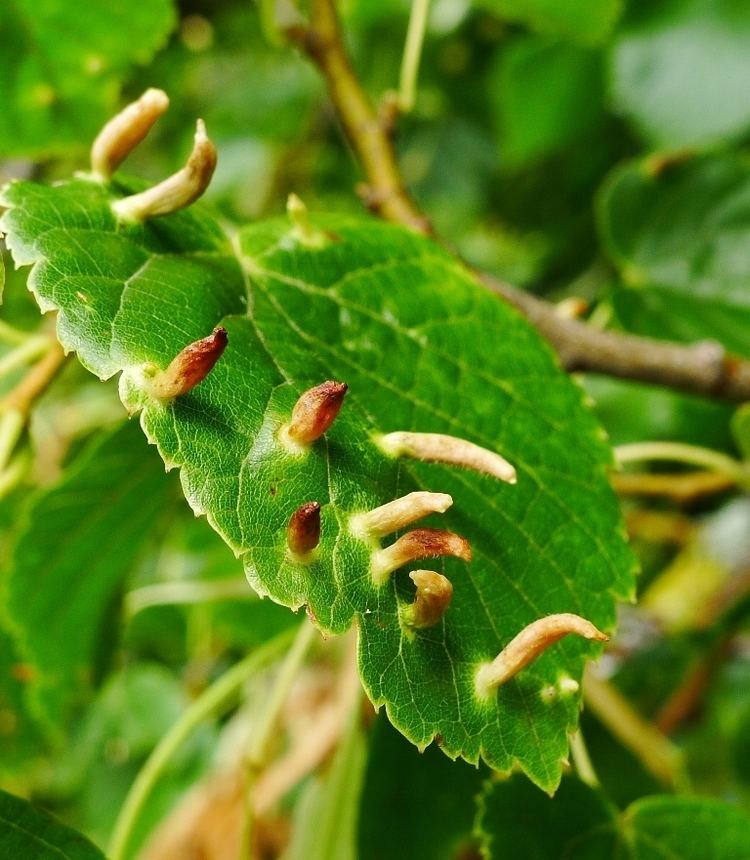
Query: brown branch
367,132
702,368
35,383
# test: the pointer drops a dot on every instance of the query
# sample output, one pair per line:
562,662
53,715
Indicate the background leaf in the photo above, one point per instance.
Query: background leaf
680,237
62,65
586,21
78,541
32,834
679,70
515,819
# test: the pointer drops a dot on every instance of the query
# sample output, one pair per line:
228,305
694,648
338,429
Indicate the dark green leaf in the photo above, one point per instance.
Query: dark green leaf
78,540
517,820
690,828
680,236
27,833
679,71
423,347
432,799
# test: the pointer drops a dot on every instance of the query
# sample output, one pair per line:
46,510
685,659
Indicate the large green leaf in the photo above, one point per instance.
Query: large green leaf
679,71
62,64
516,820
545,94
78,540
29,833
422,346
432,800
680,237
587,21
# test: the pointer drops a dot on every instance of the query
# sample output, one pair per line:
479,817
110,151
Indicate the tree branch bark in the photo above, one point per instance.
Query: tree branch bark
702,368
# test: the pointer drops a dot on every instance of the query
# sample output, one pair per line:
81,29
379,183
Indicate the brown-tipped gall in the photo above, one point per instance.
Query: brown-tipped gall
415,545
124,132
433,597
399,513
178,190
529,644
314,412
439,448
191,366
303,531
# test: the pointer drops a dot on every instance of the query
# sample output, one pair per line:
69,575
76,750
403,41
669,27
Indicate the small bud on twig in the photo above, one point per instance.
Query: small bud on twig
414,545
433,597
303,531
399,513
178,190
191,366
305,232
314,412
439,448
532,641
124,132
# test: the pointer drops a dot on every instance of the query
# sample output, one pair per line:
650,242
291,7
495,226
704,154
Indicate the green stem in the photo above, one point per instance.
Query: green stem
268,719
11,426
680,452
11,477
407,88
213,700
185,593
582,761
31,349
12,335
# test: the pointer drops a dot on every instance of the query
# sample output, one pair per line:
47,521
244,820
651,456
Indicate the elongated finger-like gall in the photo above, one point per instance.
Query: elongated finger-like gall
433,597
399,513
439,448
303,531
415,545
125,131
178,190
315,411
532,641
191,366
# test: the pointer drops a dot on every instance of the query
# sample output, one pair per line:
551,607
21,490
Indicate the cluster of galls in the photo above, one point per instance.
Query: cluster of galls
313,415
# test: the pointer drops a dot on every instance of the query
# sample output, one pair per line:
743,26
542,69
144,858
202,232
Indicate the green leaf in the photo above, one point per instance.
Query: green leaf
432,799
62,65
741,429
679,70
517,820
422,347
680,237
545,94
78,540
585,21
29,833
690,828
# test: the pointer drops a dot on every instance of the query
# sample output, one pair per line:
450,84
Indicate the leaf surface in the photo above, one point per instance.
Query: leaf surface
422,347
680,237
29,833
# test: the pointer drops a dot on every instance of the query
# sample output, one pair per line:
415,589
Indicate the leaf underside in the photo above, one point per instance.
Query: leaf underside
422,347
